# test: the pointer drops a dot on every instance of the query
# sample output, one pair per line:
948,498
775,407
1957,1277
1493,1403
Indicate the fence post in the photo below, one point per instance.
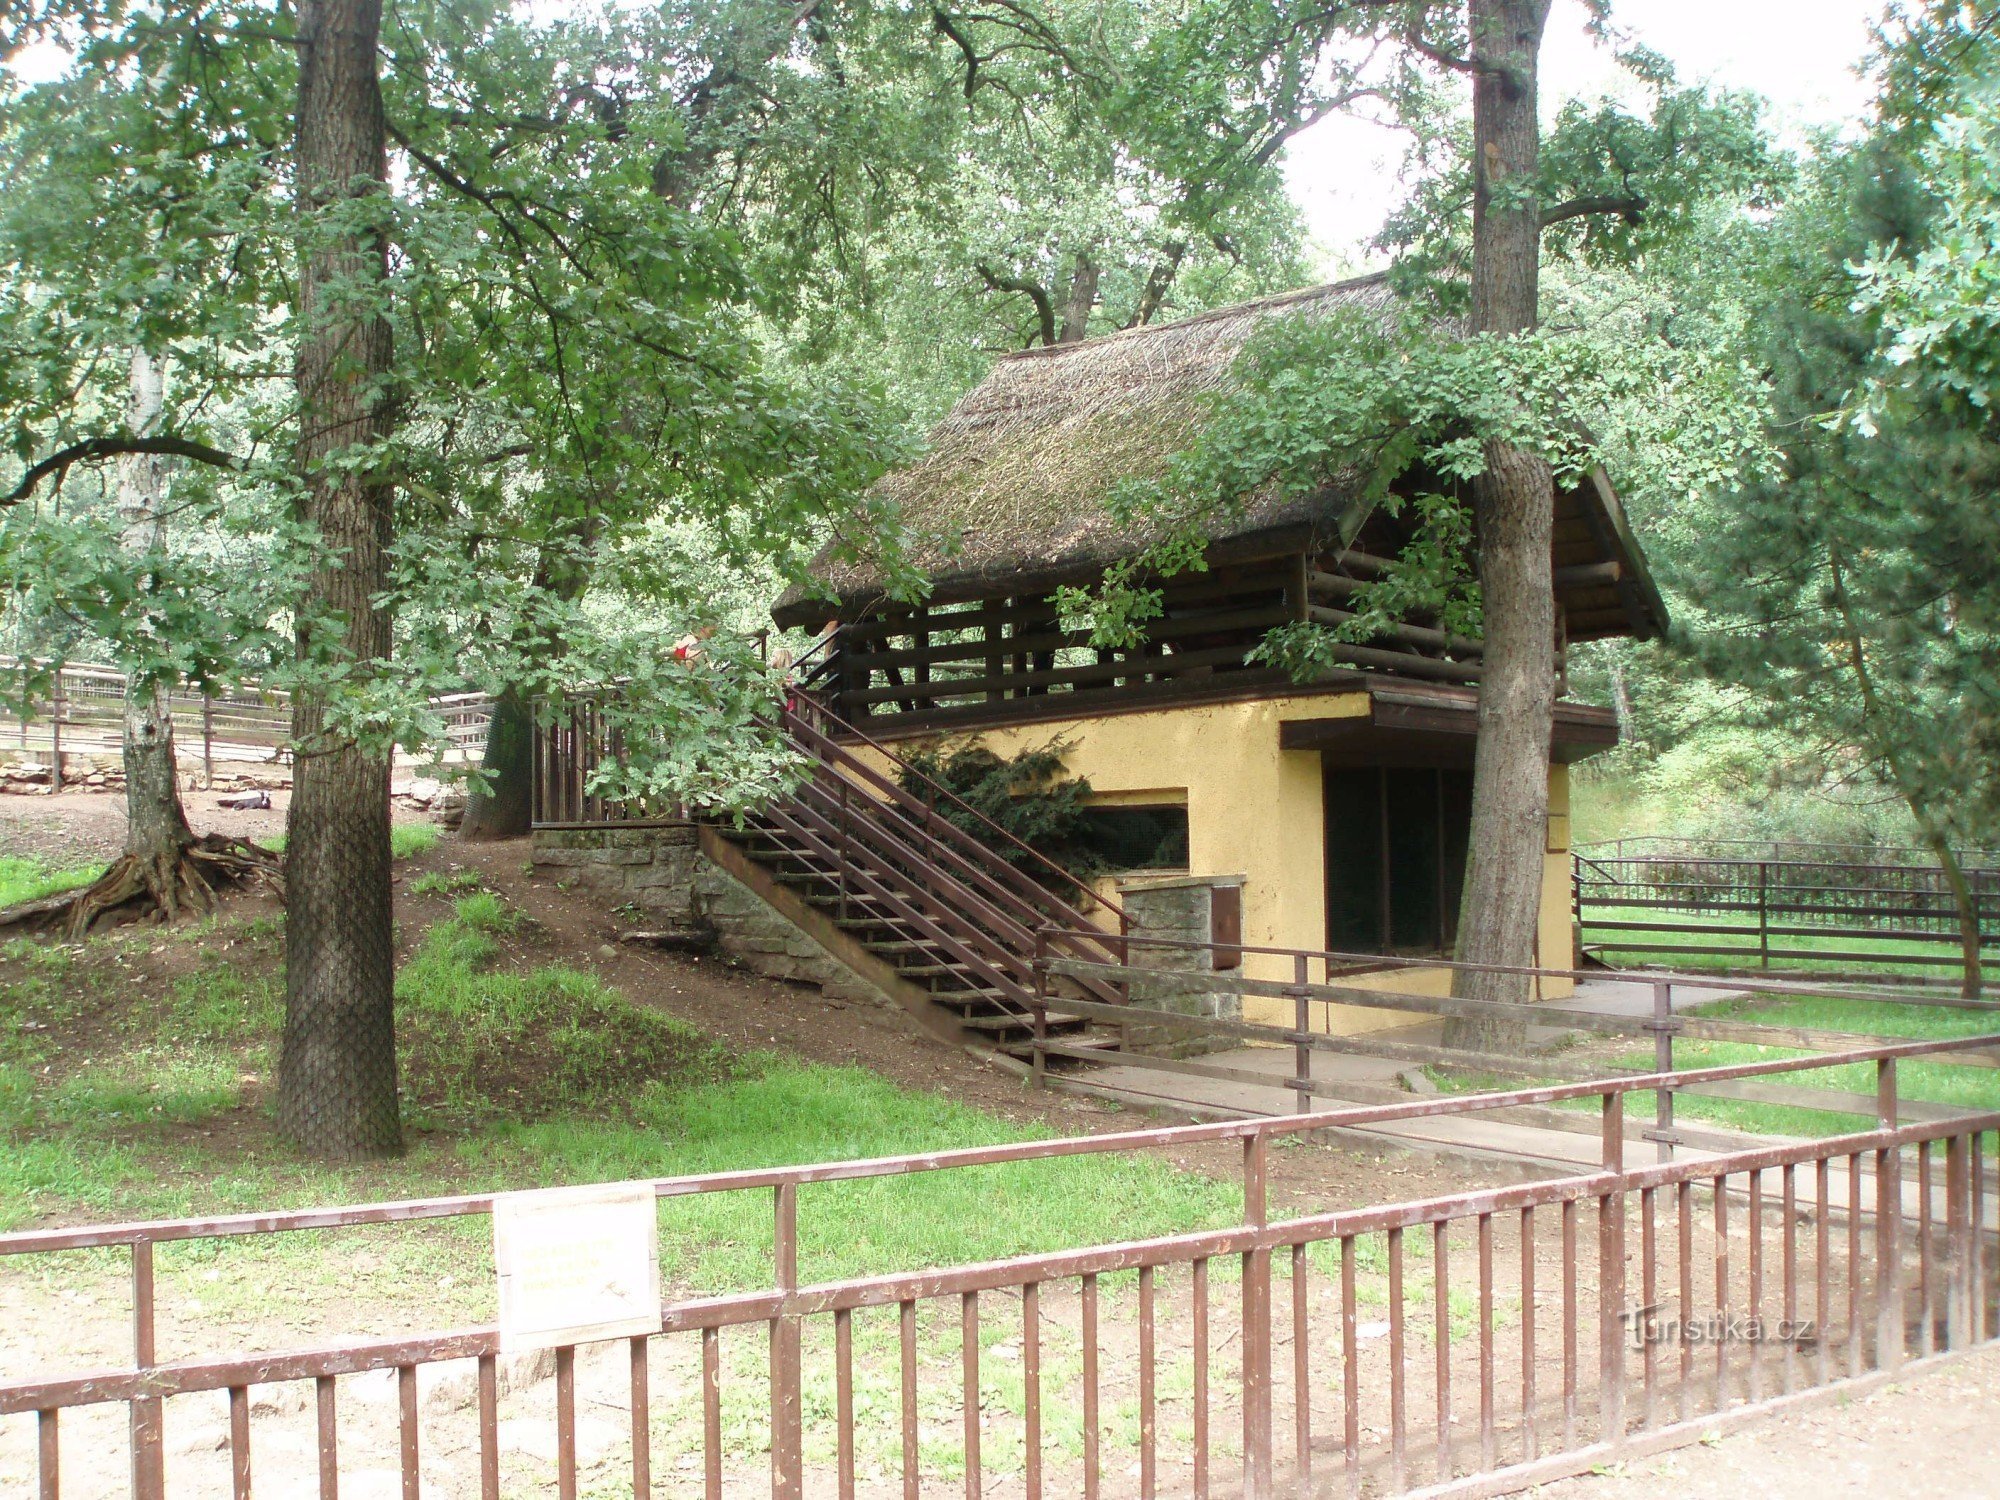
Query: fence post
149,1480
207,740
1611,1273
1258,1482
1959,1289
1888,1224
1663,1062
1302,1052
55,737
1763,914
786,1425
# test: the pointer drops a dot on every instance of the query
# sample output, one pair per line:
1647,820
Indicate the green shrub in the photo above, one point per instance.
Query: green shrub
1030,795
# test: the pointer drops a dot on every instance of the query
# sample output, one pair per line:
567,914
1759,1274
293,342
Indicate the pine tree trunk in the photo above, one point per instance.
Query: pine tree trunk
156,826
337,1072
1967,907
504,807
1514,517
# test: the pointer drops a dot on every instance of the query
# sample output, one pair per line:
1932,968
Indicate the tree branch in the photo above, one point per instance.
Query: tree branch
1632,210
95,450
1045,312
1413,39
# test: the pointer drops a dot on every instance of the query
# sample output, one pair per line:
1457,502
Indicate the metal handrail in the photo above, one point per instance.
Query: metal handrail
1013,840
973,859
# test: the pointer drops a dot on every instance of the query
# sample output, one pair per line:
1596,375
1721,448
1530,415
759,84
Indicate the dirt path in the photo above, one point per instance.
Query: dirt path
1930,1435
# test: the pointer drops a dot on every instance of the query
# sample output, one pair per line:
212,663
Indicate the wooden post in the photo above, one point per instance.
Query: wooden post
1763,914
1611,1276
1258,1483
1302,1052
787,1425
1663,1062
55,737
1888,1226
207,740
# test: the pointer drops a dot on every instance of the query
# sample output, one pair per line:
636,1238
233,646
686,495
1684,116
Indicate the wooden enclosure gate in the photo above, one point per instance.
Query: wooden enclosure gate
1762,1277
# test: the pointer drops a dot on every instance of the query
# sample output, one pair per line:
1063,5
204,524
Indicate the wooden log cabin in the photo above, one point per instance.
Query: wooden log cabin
1343,804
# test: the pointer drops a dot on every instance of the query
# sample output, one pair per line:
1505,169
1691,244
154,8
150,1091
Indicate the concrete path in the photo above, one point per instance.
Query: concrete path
1360,1079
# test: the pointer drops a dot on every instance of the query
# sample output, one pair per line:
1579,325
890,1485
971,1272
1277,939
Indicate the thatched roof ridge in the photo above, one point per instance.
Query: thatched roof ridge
1011,495
1016,475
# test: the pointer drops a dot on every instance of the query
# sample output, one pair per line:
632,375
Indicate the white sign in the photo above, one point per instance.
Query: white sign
577,1264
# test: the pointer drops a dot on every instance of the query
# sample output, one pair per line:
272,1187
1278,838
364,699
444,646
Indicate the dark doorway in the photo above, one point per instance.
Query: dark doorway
1395,857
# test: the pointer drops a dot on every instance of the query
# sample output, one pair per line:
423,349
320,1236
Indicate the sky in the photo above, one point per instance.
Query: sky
1799,54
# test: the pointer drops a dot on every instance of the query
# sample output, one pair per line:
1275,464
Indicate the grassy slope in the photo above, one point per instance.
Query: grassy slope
513,1076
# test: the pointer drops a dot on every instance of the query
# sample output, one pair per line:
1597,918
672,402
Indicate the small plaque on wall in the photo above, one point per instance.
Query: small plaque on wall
577,1264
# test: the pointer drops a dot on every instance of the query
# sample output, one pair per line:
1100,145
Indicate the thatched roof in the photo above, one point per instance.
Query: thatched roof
1011,494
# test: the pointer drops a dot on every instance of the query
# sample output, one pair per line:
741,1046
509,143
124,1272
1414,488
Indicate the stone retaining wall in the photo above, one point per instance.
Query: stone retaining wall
659,876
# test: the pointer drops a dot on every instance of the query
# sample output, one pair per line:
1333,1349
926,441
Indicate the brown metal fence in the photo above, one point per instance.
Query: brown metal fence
1756,910
1342,982
1463,1344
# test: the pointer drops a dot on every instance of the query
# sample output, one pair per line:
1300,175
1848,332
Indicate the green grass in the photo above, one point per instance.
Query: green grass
1931,1082
1957,1085
523,1075
25,879
438,883
1888,956
409,839
405,840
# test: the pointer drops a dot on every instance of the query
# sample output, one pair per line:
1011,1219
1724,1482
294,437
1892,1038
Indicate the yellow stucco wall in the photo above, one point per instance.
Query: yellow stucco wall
1255,810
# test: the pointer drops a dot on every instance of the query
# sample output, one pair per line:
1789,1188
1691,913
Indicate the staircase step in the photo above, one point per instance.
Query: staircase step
1023,1026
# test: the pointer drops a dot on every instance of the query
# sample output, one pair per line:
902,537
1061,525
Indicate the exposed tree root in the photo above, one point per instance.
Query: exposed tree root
163,887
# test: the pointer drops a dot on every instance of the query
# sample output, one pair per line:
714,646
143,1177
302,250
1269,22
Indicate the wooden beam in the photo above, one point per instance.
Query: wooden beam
1589,575
1410,635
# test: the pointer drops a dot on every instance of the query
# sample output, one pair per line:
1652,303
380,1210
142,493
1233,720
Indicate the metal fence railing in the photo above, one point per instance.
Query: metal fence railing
1757,910
1523,1341
1670,846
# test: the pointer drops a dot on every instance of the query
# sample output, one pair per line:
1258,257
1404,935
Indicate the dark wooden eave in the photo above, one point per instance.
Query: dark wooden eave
1434,729
1600,575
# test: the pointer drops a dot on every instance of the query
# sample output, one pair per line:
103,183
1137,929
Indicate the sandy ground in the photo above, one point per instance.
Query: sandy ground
78,827
1930,1435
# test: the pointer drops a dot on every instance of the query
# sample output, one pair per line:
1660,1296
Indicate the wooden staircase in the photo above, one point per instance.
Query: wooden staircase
959,918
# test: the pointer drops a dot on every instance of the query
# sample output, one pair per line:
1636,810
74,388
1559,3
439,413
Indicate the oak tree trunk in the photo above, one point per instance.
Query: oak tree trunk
156,826
1514,516
504,807
337,1072
1964,903
1081,299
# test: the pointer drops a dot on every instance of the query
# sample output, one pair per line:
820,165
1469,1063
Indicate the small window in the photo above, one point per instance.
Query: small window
1135,838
